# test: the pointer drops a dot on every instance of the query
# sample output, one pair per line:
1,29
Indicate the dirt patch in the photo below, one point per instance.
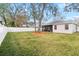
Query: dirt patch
39,33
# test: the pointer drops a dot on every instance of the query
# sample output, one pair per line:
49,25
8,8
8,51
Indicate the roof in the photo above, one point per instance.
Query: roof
60,22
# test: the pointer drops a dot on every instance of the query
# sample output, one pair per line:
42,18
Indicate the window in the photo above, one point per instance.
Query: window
55,27
66,27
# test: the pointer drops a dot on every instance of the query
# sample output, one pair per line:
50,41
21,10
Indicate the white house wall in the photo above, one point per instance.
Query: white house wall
61,28
74,27
77,28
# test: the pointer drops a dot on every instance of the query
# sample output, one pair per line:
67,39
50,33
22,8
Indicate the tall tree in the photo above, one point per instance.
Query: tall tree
16,9
41,11
53,10
37,13
3,11
72,7
33,13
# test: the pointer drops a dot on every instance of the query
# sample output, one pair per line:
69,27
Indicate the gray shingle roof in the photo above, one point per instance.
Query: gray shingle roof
60,22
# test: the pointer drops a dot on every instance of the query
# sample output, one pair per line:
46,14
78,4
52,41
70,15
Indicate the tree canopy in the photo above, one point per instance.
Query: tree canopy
22,12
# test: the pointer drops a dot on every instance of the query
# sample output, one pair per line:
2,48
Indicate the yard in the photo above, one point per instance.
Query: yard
37,44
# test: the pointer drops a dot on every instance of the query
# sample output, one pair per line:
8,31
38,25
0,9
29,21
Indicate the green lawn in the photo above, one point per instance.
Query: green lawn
25,43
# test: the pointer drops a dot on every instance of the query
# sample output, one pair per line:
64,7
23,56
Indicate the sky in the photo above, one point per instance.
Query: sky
67,15
39,1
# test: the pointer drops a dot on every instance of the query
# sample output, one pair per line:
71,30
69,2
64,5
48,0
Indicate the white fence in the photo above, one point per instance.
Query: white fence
16,29
4,30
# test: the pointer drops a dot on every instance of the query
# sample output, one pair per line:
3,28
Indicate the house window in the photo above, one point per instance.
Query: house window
55,27
66,27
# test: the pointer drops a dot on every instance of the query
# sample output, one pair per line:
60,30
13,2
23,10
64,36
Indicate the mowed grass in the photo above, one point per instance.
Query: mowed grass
49,44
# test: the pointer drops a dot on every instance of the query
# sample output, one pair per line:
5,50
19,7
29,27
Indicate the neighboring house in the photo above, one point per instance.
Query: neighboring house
61,27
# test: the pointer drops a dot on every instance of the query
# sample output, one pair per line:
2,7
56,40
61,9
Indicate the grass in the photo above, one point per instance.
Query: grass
49,44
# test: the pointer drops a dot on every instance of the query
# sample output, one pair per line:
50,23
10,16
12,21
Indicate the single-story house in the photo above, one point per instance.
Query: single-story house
61,27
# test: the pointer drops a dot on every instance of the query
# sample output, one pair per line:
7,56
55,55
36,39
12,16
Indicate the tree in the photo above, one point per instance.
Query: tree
72,7
41,11
40,14
53,10
3,11
37,13
33,13
21,18
16,10
13,10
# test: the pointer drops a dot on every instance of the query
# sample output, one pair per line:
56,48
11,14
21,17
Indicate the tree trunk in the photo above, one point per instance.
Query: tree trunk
14,20
5,20
35,24
39,28
40,21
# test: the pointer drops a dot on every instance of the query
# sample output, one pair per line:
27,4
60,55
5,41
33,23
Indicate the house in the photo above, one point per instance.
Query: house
61,27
